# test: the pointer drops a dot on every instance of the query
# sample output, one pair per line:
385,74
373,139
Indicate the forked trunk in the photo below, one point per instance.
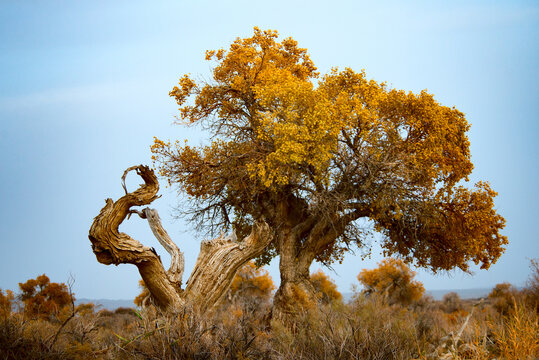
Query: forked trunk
215,268
296,292
294,296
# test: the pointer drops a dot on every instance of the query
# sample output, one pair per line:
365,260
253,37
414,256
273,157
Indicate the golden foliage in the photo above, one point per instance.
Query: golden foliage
143,296
325,288
393,279
335,148
252,282
44,299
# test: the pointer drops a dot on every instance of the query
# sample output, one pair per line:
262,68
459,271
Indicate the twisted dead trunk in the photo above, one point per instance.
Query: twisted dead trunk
217,263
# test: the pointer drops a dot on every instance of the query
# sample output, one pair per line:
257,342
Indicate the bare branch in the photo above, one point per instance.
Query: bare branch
177,263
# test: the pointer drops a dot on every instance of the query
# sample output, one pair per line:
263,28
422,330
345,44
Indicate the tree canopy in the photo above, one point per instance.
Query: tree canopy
312,154
340,146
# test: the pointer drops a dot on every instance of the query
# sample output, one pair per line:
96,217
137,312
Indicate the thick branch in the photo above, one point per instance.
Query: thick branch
112,247
177,262
218,262
216,265
325,232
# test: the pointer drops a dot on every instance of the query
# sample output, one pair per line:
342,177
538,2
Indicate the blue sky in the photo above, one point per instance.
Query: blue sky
84,88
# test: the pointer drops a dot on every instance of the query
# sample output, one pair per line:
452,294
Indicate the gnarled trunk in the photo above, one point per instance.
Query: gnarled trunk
299,242
296,292
217,263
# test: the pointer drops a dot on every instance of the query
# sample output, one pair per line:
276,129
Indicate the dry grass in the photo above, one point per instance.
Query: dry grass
366,328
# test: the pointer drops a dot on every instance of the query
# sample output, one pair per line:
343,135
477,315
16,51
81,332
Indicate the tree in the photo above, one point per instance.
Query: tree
43,298
312,155
252,283
215,268
393,280
325,288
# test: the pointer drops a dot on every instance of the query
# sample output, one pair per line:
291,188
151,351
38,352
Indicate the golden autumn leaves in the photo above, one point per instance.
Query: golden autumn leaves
346,146
265,91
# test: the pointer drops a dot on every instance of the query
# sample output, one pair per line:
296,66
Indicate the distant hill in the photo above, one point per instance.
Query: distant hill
463,293
107,303
439,294
436,294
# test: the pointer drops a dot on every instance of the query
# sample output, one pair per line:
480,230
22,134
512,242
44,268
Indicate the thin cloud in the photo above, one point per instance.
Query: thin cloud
66,96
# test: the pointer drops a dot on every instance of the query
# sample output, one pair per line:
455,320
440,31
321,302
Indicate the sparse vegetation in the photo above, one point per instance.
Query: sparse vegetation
368,327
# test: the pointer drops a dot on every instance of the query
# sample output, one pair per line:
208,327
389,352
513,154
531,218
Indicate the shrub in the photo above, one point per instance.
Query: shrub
531,291
393,280
252,282
325,288
503,297
250,292
125,311
142,298
44,299
451,302
518,335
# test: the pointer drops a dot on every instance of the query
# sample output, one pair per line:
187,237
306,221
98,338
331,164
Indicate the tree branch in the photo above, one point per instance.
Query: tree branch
177,262
215,268
112,247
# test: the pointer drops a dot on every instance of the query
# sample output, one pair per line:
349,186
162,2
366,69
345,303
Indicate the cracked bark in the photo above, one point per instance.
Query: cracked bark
217,263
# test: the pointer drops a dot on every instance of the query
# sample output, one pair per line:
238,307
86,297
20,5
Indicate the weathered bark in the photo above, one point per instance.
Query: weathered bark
217,263
296,292
299,242
177,260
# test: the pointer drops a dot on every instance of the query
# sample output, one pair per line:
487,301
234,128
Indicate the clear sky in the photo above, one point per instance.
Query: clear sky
84,88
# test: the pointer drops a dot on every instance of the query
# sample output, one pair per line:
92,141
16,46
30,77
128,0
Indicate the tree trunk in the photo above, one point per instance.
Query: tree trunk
217,263
296,292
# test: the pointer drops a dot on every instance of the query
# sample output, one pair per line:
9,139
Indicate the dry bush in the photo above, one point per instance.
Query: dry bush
517,336
367,329
23,339
144,296
125,311
531,291
6,303
431,322
250,291
187,335
503,297
451,303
